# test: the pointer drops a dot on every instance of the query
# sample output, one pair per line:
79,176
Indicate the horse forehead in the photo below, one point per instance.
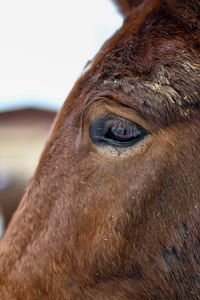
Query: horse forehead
154,69
123,41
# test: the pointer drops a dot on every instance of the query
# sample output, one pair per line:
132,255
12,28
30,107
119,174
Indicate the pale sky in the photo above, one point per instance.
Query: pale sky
45,44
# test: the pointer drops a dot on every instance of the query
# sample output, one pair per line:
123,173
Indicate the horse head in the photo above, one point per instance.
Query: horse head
112,211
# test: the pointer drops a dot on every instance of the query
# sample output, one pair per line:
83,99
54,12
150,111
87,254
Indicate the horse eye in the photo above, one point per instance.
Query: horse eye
116,131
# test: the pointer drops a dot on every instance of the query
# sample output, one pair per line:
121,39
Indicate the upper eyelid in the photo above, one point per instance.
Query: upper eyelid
126,121
118,120
102,106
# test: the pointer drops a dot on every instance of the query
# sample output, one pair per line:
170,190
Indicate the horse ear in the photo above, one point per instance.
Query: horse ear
125,6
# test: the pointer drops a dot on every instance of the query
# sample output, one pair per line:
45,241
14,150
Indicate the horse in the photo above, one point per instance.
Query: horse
112,211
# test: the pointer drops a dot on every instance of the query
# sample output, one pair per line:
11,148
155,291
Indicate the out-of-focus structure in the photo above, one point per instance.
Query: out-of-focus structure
23,134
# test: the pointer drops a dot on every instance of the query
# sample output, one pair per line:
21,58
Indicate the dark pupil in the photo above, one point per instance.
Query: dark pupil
116,131
123,132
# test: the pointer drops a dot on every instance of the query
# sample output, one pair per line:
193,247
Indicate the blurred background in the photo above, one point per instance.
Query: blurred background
45,45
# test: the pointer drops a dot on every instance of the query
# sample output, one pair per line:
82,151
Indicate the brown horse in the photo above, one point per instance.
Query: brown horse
113,209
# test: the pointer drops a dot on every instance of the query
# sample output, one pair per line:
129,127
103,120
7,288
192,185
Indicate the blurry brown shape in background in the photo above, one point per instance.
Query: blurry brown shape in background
23,134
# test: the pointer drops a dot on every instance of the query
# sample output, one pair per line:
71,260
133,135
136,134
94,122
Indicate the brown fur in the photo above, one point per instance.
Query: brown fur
101,224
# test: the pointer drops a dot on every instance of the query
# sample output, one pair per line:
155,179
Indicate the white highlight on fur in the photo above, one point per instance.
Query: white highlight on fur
87,68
